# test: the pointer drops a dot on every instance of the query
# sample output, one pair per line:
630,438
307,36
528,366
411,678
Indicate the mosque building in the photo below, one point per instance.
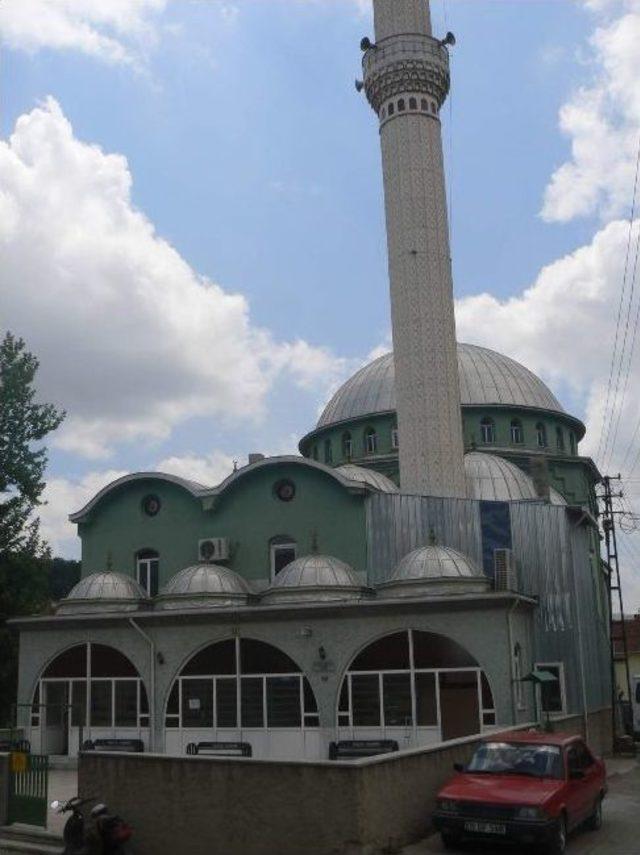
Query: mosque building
434,544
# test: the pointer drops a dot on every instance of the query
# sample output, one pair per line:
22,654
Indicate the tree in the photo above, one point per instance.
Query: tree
23,424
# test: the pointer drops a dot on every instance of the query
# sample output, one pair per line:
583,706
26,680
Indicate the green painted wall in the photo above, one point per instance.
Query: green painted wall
248,513
573,476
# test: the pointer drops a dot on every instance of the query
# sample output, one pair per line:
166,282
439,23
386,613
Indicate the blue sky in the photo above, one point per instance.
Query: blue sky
249,152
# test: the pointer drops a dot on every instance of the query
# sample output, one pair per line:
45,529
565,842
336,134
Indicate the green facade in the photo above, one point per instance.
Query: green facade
324,517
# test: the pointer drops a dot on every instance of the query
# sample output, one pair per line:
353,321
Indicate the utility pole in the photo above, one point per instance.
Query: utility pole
614,587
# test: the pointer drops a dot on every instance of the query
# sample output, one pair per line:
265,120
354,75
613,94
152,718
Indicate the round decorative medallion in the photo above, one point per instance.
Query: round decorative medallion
285,490
151,505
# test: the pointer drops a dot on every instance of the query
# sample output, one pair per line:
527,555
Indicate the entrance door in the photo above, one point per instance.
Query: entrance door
55,727
459,704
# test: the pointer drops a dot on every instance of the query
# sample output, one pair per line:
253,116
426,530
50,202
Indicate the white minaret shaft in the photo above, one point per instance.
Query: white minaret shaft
406,75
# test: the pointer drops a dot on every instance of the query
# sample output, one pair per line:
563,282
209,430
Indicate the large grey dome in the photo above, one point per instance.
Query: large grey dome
486,378
314,578
494,479
435,570
204,586
367,476
104,592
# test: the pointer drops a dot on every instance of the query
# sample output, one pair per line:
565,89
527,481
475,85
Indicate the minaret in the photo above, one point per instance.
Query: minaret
406,79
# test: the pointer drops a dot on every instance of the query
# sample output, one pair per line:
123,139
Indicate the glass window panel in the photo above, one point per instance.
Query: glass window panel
386,654
260,658
311,721
226,703
174,700
437,651
343,719
396,694
197,703
71,663
107,662
283,556
216,659
55,698
79,703
365,694
343,703
283,702
310,705
426,703
252,702
126,703
144,703
487,696
154,574
101,706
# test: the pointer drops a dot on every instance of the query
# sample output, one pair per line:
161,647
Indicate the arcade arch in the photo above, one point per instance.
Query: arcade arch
417,687
243,690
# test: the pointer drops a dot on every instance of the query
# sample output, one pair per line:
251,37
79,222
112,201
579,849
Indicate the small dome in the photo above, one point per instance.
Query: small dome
367,476
314,578
435,570
494,479
204,586
487,378
104,592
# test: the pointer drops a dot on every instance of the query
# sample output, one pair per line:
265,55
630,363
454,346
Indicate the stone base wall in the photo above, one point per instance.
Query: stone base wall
257,807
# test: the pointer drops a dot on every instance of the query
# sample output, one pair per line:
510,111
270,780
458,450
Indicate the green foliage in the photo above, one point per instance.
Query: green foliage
23,424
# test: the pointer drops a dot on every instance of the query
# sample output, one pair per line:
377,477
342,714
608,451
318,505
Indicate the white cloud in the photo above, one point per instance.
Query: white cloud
132,341
115,31
207,469
602,121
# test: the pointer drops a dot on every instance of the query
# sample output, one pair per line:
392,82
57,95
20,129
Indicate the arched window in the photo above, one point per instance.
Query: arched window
328,451
560,439
517,434
283,549
240,683
488,431
541,435
424,105
391,109
416,671
370,441
413,104
148,570
395,442
88,686
401,104
347,446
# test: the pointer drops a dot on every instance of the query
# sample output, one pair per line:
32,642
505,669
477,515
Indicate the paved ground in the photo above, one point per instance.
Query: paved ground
63,784
619,835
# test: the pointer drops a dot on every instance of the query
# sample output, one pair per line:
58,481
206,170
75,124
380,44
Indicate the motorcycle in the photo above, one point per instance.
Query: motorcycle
103,834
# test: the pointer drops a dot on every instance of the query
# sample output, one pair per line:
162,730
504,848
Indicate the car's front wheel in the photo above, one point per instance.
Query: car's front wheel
558,845
595,820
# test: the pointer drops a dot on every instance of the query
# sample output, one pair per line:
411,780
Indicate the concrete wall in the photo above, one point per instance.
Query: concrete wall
253,807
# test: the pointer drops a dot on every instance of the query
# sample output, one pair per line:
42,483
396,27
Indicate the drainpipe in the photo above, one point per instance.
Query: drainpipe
152,682
511,667
583,683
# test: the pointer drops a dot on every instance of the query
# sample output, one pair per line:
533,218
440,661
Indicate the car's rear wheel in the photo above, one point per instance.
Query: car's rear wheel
595,820
558,845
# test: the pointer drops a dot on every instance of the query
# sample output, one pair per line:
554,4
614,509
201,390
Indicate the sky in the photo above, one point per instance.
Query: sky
192,225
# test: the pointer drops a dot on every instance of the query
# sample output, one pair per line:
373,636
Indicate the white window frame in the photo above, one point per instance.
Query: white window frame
541,436
543,666
347,447
371,442
274,549
488,429
147,561
517,432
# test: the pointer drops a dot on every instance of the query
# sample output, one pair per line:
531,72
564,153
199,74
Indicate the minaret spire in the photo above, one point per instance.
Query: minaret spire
406,78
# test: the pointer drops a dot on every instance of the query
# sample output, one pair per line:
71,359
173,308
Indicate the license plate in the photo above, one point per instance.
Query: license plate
485,827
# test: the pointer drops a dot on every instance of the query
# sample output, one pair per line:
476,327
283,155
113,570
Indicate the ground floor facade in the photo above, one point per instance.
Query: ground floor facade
287,681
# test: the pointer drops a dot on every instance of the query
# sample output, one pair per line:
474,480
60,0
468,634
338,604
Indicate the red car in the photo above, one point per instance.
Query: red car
525,787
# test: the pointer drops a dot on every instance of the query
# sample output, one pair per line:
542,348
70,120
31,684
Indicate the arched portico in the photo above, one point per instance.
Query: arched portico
87,691
414,686
243,690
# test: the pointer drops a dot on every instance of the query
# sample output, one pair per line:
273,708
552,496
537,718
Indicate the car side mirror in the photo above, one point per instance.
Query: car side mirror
576,774
458,767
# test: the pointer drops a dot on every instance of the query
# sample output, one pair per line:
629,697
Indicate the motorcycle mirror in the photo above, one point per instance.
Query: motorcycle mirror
55,805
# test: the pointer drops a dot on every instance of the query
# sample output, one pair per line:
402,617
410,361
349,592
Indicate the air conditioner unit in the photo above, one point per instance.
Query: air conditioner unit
504,570
213,549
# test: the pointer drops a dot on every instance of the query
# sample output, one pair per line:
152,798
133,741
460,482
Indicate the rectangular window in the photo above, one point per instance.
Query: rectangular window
426,702
365,694
396,694
252,702
197,703
283,702
226,702
552,695
149,574
78,703
101,703
281,555
126,703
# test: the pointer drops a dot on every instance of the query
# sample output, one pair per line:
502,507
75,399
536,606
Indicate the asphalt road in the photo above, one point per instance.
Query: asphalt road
619,835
